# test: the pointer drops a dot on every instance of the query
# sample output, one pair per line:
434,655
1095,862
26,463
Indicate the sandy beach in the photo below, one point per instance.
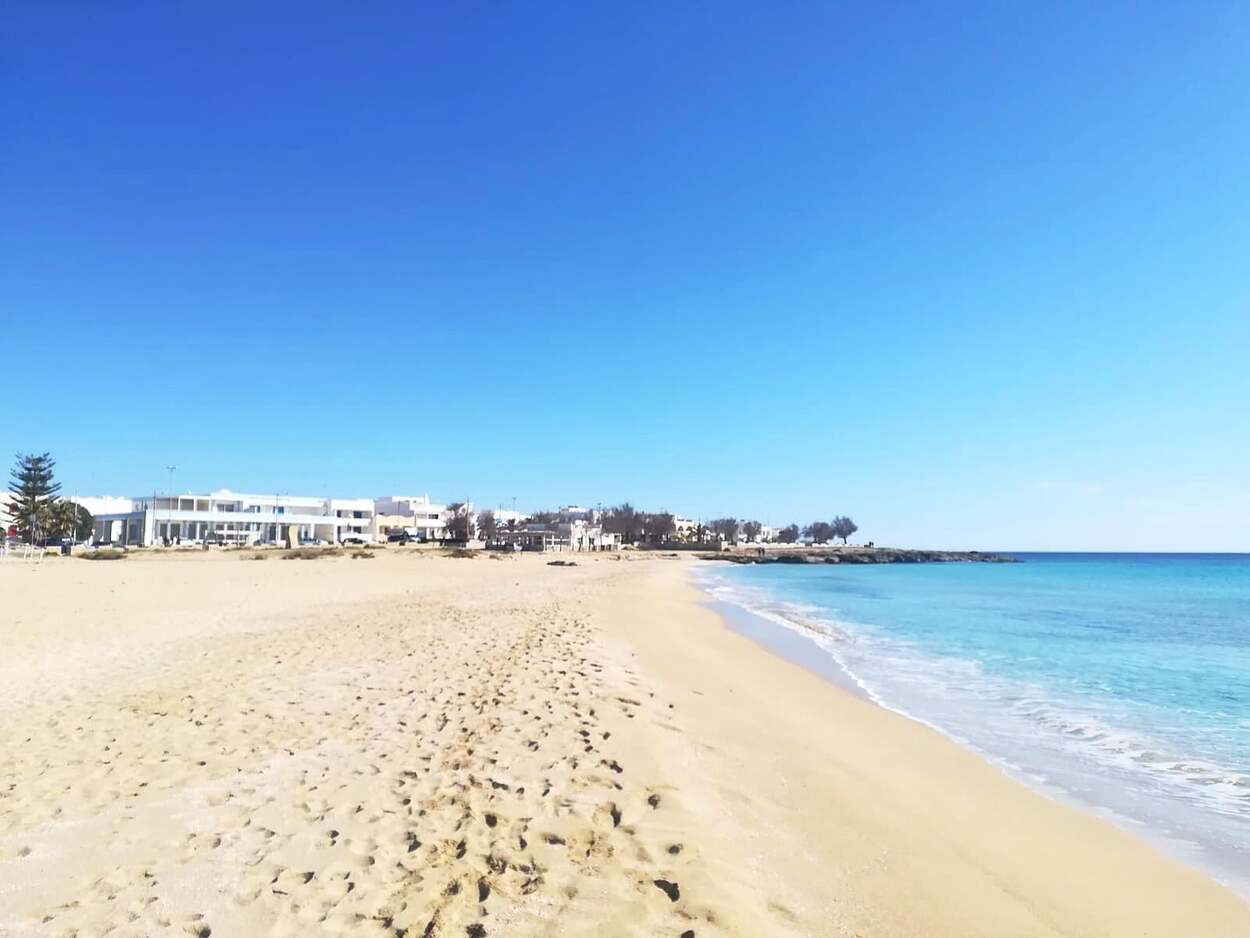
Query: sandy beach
414,745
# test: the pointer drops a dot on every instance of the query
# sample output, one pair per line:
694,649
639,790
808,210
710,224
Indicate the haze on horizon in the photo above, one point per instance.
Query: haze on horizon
978,280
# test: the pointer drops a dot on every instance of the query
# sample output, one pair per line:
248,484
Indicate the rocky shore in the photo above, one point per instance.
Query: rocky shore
856,555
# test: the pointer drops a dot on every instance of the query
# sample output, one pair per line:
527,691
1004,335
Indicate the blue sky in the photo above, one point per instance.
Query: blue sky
978,276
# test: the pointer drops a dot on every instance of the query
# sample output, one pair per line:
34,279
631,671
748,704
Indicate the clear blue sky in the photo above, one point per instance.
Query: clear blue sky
977,276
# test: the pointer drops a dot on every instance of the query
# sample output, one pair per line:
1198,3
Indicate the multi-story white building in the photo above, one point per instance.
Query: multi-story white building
418,516
230,517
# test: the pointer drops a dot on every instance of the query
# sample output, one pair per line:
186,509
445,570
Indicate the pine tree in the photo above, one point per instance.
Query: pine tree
33,494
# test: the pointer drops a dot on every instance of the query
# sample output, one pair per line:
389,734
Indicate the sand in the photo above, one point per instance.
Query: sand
412,745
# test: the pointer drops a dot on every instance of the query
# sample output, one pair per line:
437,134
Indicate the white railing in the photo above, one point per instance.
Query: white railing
13,551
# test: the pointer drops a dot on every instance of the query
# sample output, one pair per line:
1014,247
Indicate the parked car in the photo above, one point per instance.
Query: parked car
354,539
401,537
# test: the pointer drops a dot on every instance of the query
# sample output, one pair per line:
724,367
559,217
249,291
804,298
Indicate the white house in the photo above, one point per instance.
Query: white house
684,529
417,515
230,517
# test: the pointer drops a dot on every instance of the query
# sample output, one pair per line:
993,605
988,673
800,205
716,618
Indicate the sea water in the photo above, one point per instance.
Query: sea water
1120,682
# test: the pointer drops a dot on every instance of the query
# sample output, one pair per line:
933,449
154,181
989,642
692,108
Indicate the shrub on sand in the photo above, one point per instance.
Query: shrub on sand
361,555
311,553
107,554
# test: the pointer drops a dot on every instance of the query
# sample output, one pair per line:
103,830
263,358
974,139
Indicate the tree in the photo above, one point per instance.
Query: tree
624,520
725,528
487,525
844,527
69,519
458,525
660,526
751,530
789,534
34,494
819,531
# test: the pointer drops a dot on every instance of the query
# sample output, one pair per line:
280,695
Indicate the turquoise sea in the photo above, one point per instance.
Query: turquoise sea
1120,682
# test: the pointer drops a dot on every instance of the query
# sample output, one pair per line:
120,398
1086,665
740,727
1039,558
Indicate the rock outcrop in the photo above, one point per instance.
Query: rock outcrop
857,555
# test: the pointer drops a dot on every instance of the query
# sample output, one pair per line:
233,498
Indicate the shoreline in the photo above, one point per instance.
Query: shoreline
790,644
785,643
411,745
864,781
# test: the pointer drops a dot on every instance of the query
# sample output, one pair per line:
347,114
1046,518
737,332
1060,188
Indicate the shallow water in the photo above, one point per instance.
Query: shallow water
1117,681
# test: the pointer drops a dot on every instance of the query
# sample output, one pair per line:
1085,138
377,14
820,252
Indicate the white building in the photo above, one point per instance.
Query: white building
684,529
416,515
506,516
230,517
569,513
104,504
560,535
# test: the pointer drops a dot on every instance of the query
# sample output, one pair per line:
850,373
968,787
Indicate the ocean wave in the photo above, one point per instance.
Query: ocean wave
1025,728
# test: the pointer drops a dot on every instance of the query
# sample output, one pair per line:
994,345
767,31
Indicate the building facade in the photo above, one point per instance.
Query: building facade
559,536
226,517
417,515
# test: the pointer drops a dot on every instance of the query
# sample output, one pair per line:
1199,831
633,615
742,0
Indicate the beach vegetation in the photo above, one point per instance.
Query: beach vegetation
660,526
487,526
459,525
310,553
33,493
38,513
824,532
624,520
789,534
70,519
820,532
103,554
726,529
844,527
